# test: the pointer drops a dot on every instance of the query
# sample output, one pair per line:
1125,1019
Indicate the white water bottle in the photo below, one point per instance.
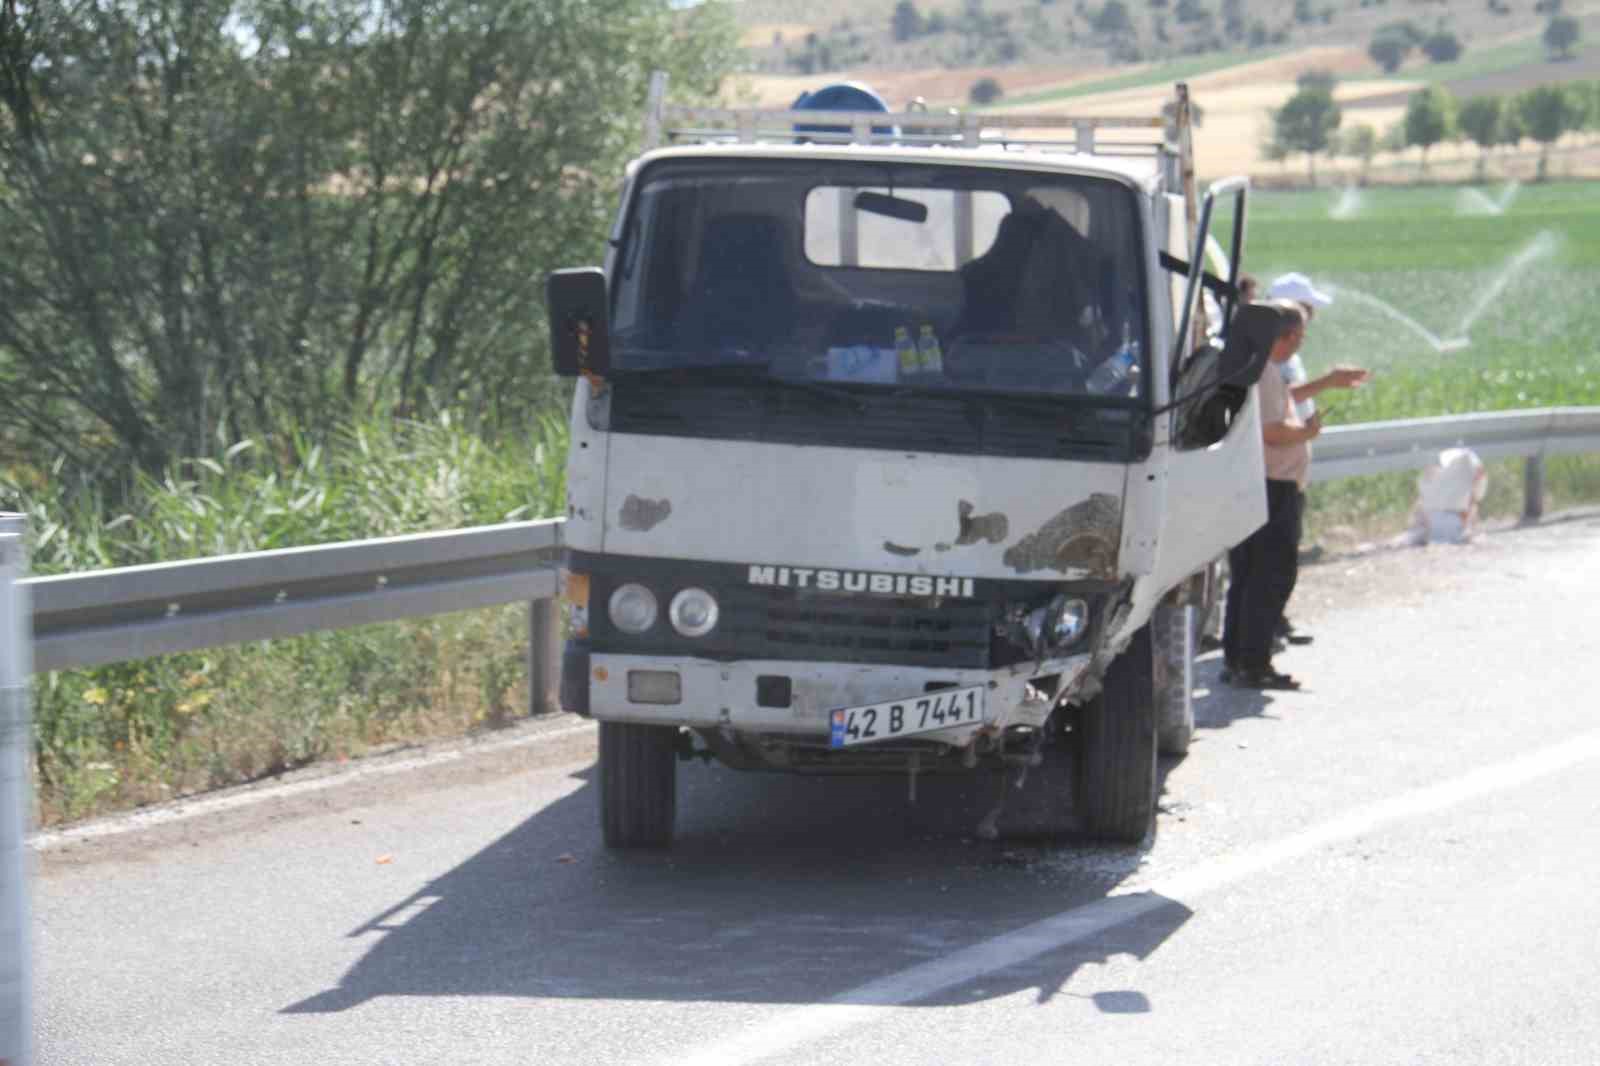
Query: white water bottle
1118,375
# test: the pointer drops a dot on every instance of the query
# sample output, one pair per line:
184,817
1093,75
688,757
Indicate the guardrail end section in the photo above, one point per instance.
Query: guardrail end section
16,1027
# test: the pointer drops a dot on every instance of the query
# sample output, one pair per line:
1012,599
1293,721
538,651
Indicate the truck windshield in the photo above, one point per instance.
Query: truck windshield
885,277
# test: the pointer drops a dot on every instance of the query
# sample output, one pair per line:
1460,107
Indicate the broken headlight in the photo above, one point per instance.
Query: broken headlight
1053,627
1069,621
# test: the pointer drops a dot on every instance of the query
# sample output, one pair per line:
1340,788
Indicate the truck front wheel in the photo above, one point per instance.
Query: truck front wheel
638,784
1116,748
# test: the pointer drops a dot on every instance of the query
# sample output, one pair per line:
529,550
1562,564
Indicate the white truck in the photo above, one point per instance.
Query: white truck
895,448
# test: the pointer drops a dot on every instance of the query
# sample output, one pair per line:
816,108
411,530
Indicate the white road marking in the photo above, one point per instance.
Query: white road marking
181,810
805,1025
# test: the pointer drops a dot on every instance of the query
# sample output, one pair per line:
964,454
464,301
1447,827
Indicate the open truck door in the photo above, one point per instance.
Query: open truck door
1215,478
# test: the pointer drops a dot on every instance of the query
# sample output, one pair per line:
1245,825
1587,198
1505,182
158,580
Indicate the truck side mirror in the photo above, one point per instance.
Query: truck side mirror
580,334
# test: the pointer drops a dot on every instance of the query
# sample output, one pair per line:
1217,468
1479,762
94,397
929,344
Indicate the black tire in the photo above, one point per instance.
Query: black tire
1172,633
1116,748
638,784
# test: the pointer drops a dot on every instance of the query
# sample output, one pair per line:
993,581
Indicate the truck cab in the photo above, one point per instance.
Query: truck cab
896,446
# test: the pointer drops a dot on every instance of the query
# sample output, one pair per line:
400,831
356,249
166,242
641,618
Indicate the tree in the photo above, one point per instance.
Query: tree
1561,35
1589,92
1404,28
1512,129
1480,119
230,218
1442,47
1389,50
1361,142
1317,78
906,22
1430,116
1548,111
1113,18
985,91
1305,124
1272,149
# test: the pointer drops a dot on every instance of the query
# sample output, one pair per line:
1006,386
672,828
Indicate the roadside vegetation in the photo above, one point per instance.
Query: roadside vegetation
274,276
133,733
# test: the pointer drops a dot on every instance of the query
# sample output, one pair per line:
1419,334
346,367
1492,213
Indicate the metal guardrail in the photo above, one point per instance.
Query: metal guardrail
138,611
112,615
1379,447
1410,444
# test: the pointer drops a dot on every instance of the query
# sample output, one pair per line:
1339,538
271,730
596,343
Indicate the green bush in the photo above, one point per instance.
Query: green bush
133,733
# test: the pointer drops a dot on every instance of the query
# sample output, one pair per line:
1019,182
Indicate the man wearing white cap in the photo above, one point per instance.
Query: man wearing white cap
1298,288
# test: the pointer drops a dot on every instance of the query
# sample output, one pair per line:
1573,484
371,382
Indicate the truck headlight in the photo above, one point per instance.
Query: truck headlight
693,612
633,608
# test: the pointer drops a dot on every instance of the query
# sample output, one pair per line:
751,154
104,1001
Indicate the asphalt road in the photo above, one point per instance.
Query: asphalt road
1397,865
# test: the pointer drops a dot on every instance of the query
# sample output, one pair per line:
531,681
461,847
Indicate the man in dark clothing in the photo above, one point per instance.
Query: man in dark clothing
1259,564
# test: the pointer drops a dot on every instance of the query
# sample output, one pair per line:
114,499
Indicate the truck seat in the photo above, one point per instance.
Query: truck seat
742,296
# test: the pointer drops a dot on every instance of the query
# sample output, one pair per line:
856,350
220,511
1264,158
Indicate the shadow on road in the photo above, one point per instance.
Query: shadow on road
1218,705
779,890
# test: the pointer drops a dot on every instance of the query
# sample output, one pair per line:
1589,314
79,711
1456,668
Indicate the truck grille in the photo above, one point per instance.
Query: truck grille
783,623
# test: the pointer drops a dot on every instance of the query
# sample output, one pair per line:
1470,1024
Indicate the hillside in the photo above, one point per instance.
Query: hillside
1240,57
1079,37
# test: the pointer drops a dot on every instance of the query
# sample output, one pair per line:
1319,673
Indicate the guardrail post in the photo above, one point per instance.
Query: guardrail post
544,656
1533,489
16,1027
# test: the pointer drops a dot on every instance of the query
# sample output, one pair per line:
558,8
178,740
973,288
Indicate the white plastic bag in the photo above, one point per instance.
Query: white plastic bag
1448,494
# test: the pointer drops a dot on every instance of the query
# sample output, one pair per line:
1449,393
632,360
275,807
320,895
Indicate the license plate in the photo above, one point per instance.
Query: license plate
903,718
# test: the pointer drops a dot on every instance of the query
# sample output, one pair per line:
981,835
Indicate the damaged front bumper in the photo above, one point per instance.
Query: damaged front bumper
791,700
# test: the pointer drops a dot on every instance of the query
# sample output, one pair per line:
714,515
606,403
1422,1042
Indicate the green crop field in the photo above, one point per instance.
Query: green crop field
1461,299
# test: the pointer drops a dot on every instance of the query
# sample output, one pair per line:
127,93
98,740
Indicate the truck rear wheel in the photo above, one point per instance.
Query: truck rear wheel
1172,630
1116,748
638,784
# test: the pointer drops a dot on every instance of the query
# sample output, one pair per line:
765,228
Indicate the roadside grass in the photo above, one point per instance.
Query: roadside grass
1407,264
128,734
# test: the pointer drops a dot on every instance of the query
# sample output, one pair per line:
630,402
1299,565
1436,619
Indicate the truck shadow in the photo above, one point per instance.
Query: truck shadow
779,890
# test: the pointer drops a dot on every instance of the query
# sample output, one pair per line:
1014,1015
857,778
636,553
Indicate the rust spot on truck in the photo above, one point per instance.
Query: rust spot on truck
1081,539
989,527
642,515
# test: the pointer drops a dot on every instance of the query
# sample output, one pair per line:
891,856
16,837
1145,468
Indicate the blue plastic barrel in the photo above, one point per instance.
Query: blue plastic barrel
841,96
